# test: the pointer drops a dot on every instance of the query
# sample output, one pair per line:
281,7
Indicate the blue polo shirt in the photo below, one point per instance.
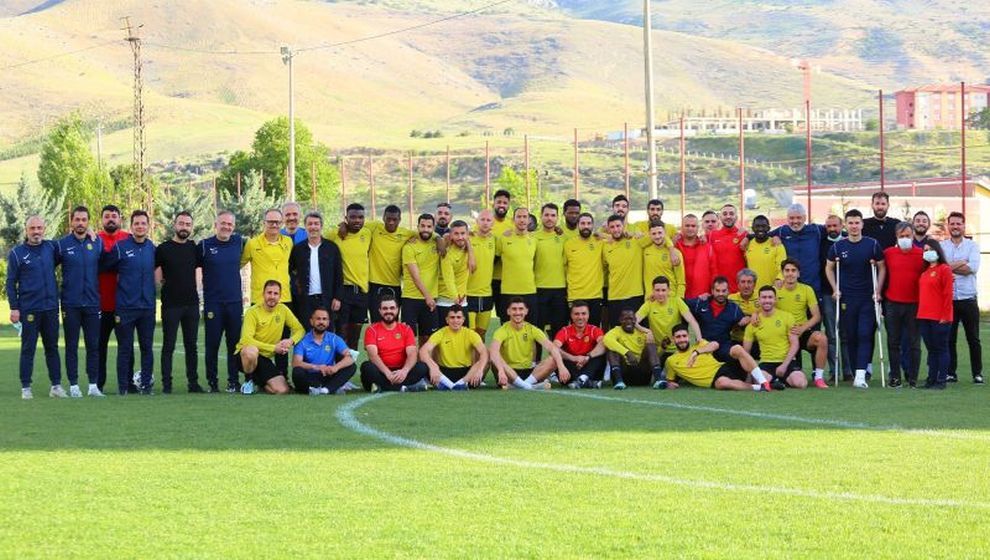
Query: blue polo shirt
855,273
804,246
298,237
221,264
715,329
324,353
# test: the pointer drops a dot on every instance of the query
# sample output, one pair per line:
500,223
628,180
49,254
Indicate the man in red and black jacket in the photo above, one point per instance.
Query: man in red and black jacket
582,348
111,234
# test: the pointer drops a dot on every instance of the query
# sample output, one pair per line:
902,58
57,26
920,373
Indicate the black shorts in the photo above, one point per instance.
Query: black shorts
722,353
454,374
615,308
419,317
480,304
731,371
353,305
263,373
770,368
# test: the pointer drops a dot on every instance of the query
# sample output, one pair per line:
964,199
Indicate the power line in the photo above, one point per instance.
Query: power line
54,56
206,51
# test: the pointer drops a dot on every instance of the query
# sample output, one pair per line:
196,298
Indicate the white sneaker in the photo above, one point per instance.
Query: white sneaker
324,391
94,391
26,393
349,387
74,392
860,383
315,391
57,392
247,387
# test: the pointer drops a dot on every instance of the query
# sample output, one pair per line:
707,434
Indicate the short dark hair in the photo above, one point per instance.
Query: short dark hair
272,282
139,213
761,218
719,280
458,223
319,308
314,214
182,213
654,202
444,205
514,300
661,280
571,203
854,213
620,198
959,215
707,212
392,209
586,215
427,217
517,209
768,288
354,206
502,192
790,261
77,210
454,309
580,303
880,194
921,213
678,328
551,206
387,296
615,218
656,222
110,208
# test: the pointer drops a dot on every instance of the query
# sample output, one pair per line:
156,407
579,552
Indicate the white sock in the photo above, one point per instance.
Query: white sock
445,382
92,386
860,375
869,369
532,380
819,373
74,386
459,383
582,378
758,376
521,384
757,387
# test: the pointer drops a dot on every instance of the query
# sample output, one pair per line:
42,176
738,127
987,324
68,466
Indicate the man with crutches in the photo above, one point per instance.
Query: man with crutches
858,262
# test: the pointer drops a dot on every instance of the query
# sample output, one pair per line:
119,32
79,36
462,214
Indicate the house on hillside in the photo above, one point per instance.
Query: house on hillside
938,105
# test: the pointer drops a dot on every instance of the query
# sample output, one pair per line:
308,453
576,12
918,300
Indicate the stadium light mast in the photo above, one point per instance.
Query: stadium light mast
651,172
290,191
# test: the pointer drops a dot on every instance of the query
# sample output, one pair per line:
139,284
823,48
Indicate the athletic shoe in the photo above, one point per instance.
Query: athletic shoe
26,394
860,384
324,391
146,391
196,388
349,387
443,388
778,385
213,388
978,379
74,392
913,384
233,387
553,378
894,383
619,386
57,392
247,388
136,379
660,385
820,383
573,385
94,392
459,387
314,391
951,378
417,387
765,387
374,389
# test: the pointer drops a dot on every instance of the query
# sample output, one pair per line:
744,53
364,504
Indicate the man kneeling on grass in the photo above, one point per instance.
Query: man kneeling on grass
512,349
321,362
261,341
773,330
697,366
392,353
582,349
632,354
460,354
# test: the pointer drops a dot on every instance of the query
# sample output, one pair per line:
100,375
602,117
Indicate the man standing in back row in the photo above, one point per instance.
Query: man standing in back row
963,256
219,257
80,258
176,259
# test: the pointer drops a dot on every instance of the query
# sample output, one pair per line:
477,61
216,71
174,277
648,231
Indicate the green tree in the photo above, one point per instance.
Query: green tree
515,183
26,201
249,209
67,168
980,119
872,125
196,201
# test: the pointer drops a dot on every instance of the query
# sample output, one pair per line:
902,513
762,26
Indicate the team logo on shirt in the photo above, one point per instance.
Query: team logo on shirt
525,336
30,318
117,319
89,246
586,339
398,336
797,297
209,314
628,244
278,319
735,240
778,322
214,251
326,348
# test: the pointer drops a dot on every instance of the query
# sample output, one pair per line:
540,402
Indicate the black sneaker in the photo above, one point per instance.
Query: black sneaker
233,387
978,379
146,391
778,385
195,388
895,382
167,389
951,378
913,384
214,388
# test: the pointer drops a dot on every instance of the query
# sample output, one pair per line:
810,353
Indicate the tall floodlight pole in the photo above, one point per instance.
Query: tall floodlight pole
651,173
290,194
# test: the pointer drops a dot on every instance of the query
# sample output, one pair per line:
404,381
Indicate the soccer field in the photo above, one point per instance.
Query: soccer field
640,473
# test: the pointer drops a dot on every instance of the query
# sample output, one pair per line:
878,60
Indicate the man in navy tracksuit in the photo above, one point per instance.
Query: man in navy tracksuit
220,258
33,299
855,291
717,316
134,261
79,255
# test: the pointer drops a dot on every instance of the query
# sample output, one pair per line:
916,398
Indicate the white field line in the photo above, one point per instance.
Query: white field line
345,415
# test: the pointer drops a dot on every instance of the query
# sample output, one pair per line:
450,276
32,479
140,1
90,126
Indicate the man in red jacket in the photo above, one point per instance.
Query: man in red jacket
728,244
111,234
699,259
904,266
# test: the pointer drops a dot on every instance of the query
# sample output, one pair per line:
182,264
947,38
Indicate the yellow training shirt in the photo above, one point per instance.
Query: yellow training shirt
748,307
662,318
480,281
269,261
656,262
455,349
764,259
385,256
798,302
549,262
773,334
498,228
584,266
263,329
701,374
621,342
517,344
624,260
518,254
424,255
454,273
354,250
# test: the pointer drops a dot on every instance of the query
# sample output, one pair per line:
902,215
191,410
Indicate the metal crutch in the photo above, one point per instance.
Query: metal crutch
878,310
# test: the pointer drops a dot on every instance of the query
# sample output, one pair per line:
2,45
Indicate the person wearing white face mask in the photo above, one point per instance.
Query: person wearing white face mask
935,312
904,265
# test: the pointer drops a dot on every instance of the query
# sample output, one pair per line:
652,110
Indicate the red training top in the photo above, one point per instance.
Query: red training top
903,270
391,344
108,280
729,257
579,345
935,293
699,267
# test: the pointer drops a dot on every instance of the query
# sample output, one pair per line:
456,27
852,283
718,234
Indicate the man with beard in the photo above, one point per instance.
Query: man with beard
729,245
804,242
763,256
461,356
920,223
176,261
620,206
881,226
391,348
501,224
315,271
623,258
572,211
421,281
632,356
454,269
551,283
291,211
354,242
654,213
444,217
110,235
263,338
321,362
134,260
661,312
219,258
511,352
79,256
798,299
833,232
33,299
584,268
479,285
517,250
660,258
384,256
778,343
699,366
963,257
699,259
582,348
717,317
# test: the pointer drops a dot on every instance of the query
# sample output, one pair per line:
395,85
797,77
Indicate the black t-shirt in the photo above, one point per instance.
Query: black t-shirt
881,230
178,264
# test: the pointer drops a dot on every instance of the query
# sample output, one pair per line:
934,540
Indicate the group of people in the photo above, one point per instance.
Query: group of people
710,304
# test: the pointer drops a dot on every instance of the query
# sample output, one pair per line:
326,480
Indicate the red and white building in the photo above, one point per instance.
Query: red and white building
938,105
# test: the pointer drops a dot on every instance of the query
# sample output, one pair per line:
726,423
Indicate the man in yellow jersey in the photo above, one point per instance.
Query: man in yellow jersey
512,348
662,312
551,285
262,339
421,280
654,213
778,345
623,258
385,258
454,264
661,258
354,241
501,224
763,255
632,356
268,254
584,268
517,249
455,355
479,286
697,366
745,298
799,299
572,211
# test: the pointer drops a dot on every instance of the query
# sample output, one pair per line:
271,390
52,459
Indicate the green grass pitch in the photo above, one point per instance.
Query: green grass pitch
641,473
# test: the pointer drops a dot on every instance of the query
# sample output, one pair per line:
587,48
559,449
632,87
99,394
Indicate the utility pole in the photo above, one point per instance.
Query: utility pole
651,173
99,145
290,194
139,139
